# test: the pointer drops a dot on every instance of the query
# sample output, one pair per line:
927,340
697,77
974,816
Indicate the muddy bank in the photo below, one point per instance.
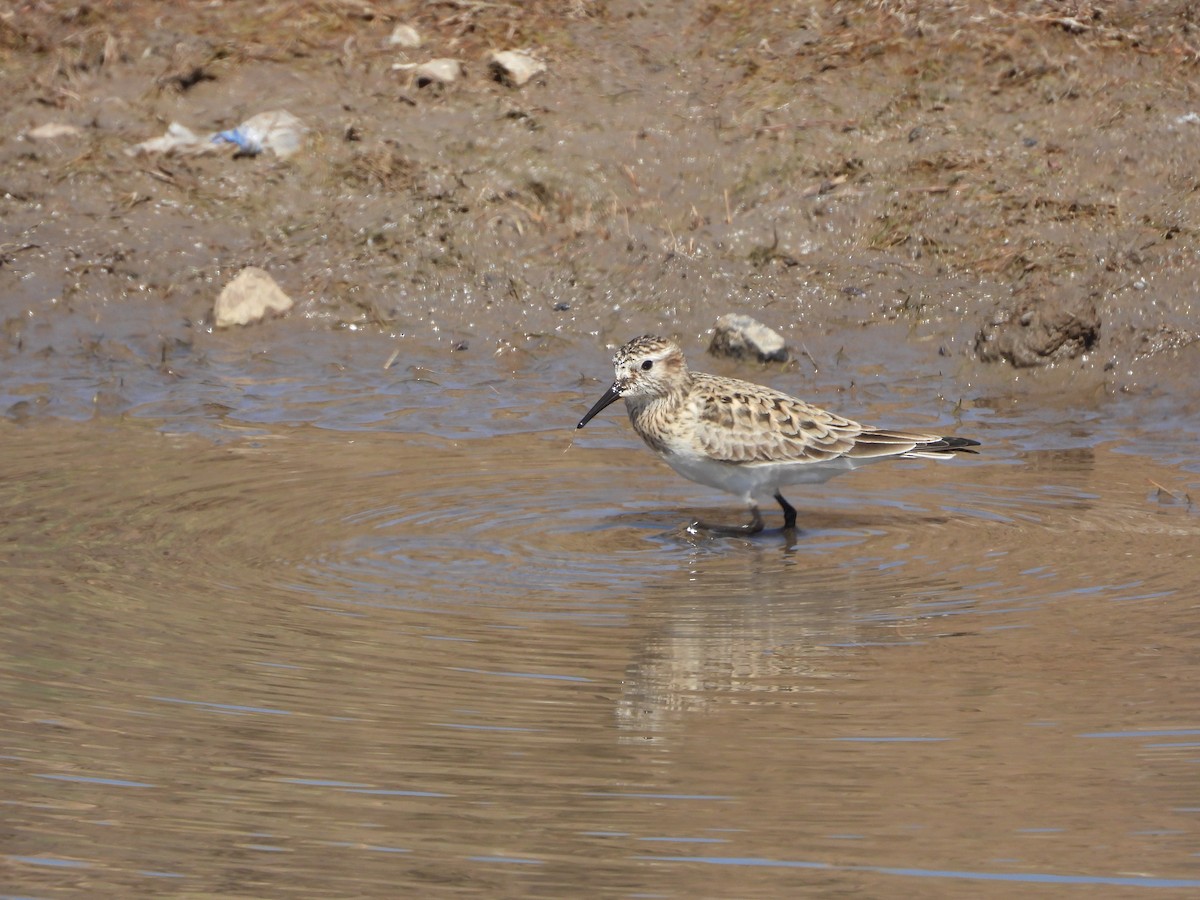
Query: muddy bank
826,169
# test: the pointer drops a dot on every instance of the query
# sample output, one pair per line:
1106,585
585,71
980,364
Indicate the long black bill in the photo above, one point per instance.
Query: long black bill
612,395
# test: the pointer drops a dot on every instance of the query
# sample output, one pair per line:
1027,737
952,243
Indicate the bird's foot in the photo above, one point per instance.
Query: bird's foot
754,526
709,528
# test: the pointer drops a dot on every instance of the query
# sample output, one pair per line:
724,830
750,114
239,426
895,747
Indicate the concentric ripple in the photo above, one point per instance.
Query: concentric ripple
450,525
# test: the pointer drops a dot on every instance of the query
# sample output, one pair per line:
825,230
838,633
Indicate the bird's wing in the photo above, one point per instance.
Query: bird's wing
740,422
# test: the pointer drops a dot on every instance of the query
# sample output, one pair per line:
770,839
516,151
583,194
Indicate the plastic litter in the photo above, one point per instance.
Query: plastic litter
277,131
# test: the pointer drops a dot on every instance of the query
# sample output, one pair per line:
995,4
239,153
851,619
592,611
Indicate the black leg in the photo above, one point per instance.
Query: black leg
789,511
754,526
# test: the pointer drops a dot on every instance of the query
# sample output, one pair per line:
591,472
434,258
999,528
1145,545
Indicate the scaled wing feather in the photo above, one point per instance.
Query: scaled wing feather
729,424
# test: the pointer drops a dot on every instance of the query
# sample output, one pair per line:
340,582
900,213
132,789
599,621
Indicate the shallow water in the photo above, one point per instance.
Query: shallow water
306,646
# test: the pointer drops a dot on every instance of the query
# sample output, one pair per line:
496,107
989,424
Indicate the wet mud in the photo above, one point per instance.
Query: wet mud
341,603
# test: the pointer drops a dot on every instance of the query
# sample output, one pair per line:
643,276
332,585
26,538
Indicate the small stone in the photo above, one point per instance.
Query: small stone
741,336
52,130
405,37
441,71
249,298
514,67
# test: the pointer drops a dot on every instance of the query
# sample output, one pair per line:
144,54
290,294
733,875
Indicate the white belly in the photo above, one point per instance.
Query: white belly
755,479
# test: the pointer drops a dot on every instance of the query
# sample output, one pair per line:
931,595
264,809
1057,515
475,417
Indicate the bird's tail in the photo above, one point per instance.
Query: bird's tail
943,448
876,444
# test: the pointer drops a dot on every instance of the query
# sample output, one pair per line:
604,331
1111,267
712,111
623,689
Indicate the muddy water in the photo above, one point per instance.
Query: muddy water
322,644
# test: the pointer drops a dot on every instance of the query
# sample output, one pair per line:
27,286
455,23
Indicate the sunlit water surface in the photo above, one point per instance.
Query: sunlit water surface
409,634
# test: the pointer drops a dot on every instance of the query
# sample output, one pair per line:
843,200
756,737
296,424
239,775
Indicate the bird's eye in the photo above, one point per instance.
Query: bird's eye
647,365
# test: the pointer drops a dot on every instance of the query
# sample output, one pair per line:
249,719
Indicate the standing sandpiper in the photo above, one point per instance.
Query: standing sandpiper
742,437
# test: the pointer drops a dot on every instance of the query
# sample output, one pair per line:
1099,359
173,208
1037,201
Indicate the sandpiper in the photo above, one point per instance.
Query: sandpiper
745,438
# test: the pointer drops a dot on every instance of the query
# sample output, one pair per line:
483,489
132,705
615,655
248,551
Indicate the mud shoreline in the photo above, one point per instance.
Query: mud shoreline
1016,185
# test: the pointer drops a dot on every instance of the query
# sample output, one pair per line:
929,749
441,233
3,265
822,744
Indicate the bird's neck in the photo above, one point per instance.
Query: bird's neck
648,414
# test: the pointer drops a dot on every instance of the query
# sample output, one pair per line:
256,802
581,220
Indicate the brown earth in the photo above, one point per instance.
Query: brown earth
1016,181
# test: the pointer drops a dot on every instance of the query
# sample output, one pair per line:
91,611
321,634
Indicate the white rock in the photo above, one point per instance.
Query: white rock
249,298
52,130
740,336
514,67
406,37
436,71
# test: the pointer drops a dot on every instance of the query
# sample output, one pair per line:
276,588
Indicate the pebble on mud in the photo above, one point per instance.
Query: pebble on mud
52,130
441,71
406,37
514,67
249,298
741,336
